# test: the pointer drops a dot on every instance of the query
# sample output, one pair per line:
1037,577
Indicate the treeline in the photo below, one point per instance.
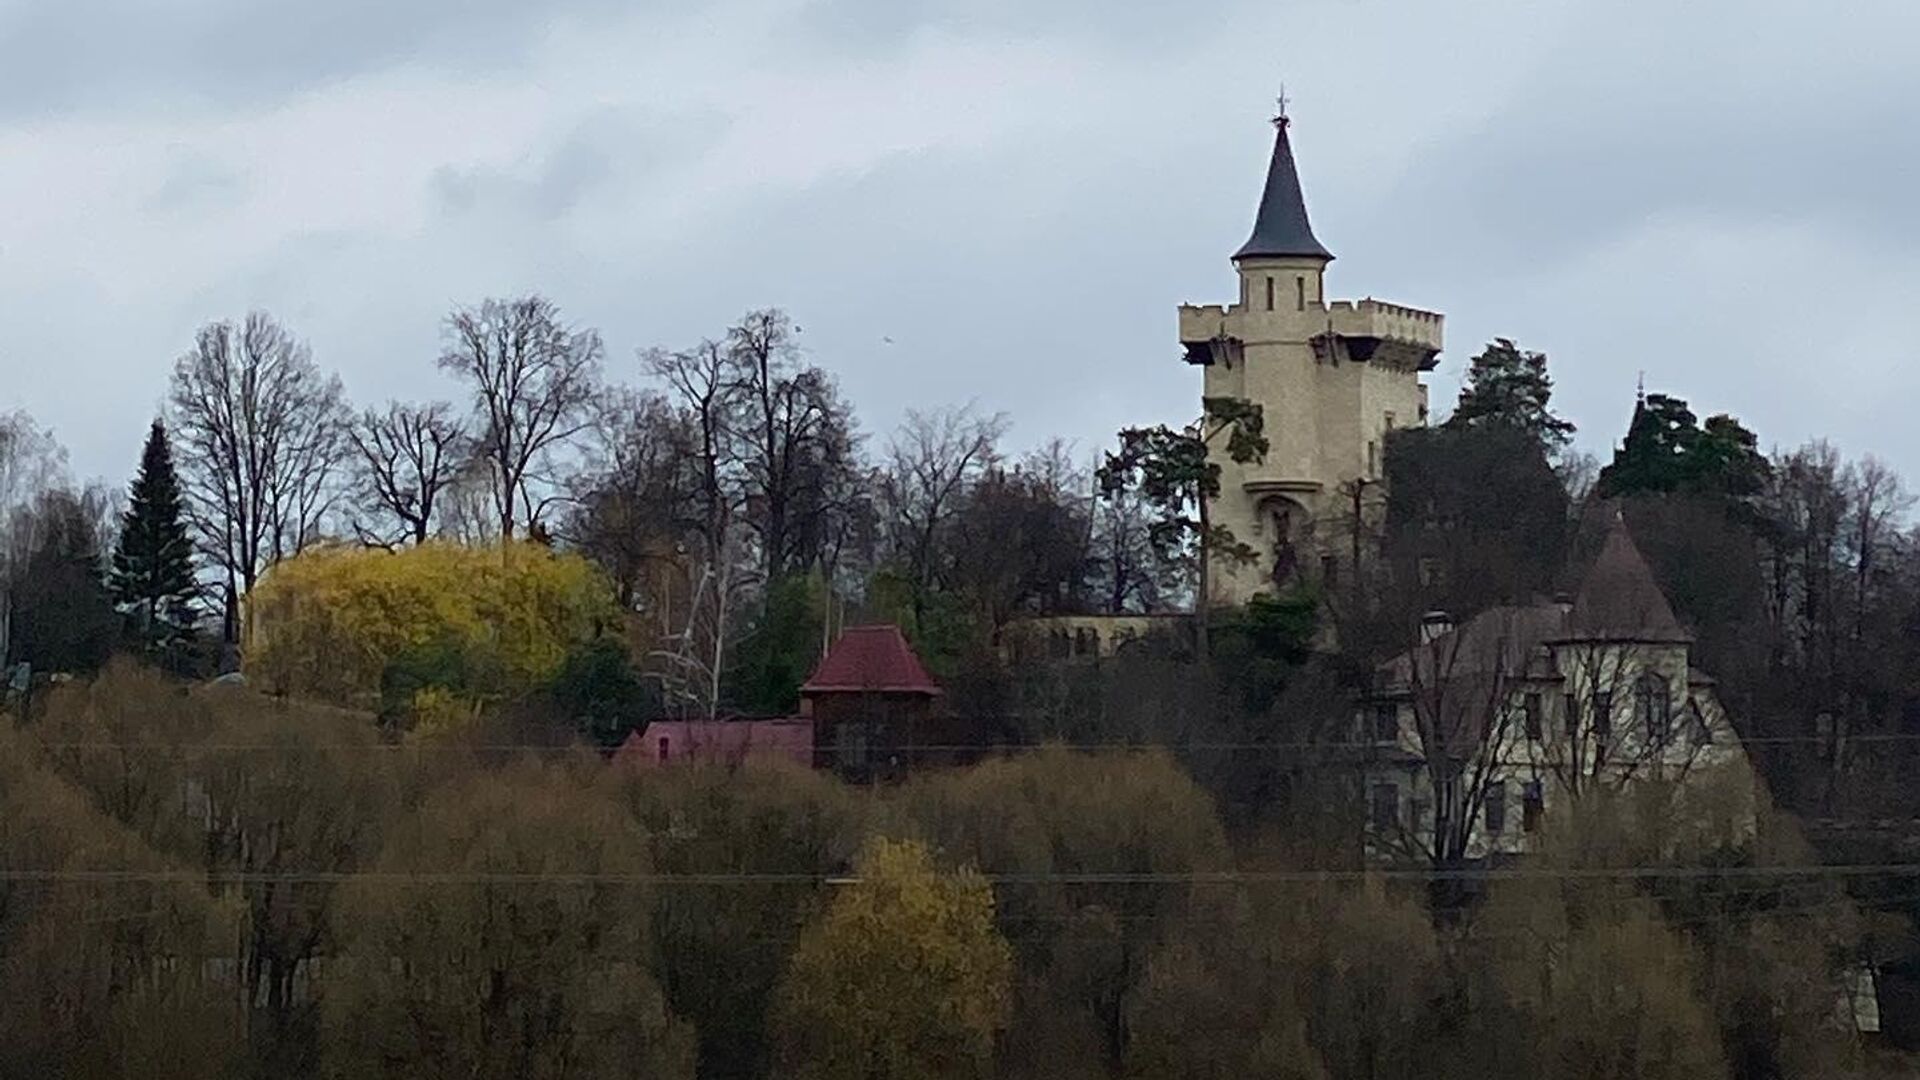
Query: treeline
738,515
725,489
212,882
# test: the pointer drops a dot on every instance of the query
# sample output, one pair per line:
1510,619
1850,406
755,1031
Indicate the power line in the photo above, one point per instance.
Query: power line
1115,746
1154,878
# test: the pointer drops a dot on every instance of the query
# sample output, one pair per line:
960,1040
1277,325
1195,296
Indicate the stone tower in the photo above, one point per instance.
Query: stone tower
1331,377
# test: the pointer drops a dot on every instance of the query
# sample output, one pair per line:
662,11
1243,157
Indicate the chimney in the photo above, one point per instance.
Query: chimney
1434,625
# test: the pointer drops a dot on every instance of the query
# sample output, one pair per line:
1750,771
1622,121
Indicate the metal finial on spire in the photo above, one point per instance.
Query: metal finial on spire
1280,117
1640,389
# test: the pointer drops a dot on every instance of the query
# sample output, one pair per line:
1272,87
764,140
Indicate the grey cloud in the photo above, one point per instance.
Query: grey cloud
1623,125
867,25
72,54
195,183
622,148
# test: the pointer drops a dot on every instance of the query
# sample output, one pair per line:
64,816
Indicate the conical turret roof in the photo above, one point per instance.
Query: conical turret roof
1619,600
1281,229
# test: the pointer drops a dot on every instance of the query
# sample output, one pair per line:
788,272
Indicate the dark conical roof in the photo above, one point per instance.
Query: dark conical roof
1619,600
1281,228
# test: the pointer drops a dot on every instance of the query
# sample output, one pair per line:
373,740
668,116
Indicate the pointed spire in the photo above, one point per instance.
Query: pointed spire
1281,228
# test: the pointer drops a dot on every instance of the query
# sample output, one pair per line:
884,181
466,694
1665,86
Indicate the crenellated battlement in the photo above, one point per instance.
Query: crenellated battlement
1392,322
1368,318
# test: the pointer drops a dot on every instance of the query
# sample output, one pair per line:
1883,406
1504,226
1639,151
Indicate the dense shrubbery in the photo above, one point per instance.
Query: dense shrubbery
404,910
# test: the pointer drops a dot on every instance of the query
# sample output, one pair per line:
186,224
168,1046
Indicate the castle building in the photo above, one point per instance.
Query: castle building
1331,377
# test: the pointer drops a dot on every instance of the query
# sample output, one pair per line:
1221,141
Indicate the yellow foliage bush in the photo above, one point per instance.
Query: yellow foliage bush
329,622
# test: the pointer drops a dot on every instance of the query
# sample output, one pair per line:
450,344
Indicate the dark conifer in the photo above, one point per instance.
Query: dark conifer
153,578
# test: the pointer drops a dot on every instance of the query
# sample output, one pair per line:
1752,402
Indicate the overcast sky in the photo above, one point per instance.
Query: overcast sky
1016,193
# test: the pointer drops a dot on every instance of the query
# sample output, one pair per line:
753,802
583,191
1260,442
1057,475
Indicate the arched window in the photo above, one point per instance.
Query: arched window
1652,712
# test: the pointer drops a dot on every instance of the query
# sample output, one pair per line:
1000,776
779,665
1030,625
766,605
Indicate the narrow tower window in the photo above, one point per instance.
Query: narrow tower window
1269,294
1299,294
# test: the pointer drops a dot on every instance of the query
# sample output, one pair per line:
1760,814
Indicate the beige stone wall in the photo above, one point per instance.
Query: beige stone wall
1326,417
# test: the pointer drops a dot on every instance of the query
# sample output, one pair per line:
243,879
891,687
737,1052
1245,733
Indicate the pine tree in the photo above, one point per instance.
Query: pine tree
1668,450
153,577
1509,387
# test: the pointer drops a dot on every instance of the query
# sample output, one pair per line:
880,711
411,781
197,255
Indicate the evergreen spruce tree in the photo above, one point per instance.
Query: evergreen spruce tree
153,577
1509,387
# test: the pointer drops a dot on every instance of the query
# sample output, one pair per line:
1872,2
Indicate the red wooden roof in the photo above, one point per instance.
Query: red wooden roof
871,659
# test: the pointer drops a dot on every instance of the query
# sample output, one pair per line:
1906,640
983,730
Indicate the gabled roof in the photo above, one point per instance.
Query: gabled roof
1619,600
871,659
1281,229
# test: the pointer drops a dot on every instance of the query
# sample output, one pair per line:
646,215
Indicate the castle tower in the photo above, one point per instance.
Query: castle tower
1331,378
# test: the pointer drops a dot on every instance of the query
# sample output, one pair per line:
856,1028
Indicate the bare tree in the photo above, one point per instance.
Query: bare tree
637,509
1880,503
262,430
534,379
933,460
701,384
1132,574
793,439
31,463
1464,725
409,455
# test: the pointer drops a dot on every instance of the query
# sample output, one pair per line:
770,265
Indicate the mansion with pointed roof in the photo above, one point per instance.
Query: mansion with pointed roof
1477,730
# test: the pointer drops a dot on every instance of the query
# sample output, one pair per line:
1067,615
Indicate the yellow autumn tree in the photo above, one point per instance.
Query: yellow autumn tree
902,977
332,623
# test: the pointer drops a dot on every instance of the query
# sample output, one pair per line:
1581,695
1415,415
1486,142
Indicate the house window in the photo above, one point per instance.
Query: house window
1386,722
1496,808
1651,708
1531,710
1533,804
1385,807
1269,294
1602,715
1299,294
1572,707
1373,458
